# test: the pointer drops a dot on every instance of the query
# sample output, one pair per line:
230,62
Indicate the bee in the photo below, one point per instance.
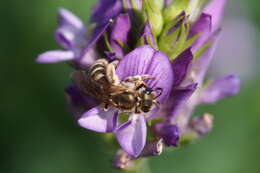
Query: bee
132,95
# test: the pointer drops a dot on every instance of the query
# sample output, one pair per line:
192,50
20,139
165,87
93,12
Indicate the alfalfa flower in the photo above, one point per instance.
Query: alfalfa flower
173,41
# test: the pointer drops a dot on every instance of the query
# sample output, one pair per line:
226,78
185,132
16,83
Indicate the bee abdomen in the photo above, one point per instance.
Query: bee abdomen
98,71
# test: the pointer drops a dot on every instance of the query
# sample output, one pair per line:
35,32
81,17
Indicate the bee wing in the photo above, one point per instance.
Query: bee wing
80,79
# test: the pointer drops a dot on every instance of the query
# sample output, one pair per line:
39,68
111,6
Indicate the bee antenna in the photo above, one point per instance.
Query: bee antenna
160,92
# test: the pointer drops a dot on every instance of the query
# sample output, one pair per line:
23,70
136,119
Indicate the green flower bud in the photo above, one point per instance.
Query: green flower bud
152,12
174,9
157,4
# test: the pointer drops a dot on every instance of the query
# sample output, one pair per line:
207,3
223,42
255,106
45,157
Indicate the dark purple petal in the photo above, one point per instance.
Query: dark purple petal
203,28
111,56
181,66
220,88
55,56
119,34
98,120
132,135
97,33
105,10
71,31
148,35
78,101
169,132
216,10
178,98
146,60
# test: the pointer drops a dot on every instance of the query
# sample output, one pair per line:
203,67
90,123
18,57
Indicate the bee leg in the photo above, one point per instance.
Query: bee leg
104,106
137,110
140,84
138,78
115,63
111,74
113,103
156,103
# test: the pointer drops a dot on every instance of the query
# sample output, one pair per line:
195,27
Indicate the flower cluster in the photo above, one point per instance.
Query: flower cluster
173,41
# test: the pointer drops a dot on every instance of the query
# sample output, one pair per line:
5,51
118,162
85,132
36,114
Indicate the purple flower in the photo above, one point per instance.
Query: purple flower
172,41
71,35
131,135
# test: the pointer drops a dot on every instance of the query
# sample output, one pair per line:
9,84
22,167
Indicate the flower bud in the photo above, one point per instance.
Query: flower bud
153,148
122,160
202,124
153,13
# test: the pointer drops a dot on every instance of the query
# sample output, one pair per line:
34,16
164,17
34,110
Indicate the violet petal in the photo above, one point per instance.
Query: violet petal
204,61
215,9
148,35
220,88
181,66
146,60
202,27
178,98
119,33
98,120
105,10
78,101
97,33
132,135
55,56
168,132
71,31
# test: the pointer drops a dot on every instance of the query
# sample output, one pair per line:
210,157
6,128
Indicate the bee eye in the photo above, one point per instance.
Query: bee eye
148,90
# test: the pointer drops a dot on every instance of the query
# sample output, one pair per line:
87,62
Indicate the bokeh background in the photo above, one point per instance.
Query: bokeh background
38,135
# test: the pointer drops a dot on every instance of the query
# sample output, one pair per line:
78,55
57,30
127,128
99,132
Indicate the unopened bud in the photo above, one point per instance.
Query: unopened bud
154,15
202,125
153,148
123,160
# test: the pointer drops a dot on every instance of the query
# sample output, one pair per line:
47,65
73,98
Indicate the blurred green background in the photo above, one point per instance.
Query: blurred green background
38,135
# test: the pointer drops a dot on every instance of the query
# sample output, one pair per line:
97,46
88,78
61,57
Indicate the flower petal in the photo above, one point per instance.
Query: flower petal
146,60
178,98
132,135
220,88
168,132
71,31
87,59
78,101
98,120
97,33
105,10
148,35
181,66
120,33
67,18
203,28
201,65
216,10
55,56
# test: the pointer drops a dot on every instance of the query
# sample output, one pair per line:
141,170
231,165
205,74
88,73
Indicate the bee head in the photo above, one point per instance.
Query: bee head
149,98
